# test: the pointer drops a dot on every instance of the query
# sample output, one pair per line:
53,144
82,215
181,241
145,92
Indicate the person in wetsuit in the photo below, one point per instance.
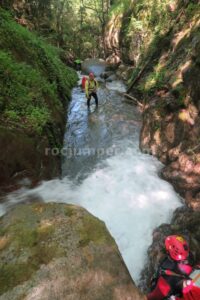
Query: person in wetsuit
173,271
91,86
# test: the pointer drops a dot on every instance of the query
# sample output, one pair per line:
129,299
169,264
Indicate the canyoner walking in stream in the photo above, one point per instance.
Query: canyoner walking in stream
103,205
91,87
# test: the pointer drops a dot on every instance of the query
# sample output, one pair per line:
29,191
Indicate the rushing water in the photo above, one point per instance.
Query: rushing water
105,172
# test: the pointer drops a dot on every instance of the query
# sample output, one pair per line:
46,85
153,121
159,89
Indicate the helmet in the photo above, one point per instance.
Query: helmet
177,247
91,75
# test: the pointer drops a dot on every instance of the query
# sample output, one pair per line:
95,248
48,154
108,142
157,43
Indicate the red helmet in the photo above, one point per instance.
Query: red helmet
177,247
91,75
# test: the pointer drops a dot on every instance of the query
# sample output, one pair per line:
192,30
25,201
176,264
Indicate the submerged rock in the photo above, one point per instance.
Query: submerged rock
58,251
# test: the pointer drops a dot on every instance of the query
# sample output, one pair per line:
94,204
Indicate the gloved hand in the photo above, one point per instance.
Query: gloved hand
187,286
197,267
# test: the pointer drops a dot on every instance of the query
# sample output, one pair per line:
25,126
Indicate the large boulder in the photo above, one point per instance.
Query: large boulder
97,66
57,251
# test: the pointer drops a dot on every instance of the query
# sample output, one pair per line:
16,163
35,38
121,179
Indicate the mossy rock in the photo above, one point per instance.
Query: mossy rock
57,251
91,230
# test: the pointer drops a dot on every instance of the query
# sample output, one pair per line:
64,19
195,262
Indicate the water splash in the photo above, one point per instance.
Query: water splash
126,193
123,189
117,85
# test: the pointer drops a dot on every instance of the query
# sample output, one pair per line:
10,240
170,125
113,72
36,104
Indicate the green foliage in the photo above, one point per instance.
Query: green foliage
34,83
134,74
23,92
135,25
12,115
156,125
120,6
154,80
180,93
192,9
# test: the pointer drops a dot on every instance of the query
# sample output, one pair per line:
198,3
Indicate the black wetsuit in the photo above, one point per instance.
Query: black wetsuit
173,282
93,94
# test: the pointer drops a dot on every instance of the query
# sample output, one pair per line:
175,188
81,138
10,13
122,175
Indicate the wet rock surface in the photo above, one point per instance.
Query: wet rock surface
176,143
97,66
58,251
171,132
174,139
25,156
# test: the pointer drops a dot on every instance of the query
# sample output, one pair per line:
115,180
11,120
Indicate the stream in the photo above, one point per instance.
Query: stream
105,172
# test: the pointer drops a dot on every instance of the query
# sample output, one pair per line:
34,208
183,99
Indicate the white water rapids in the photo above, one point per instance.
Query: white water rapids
123,189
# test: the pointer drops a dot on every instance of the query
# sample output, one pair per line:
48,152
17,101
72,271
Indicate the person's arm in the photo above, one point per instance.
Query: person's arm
87,89
96,86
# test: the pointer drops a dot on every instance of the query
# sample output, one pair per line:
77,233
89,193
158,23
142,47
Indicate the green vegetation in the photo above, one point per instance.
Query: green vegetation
77,26
155,80
34,83
192,9
157,37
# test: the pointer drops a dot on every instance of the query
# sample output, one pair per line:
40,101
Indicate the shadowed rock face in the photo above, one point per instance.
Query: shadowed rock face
174,139
24,155
57,251
172,133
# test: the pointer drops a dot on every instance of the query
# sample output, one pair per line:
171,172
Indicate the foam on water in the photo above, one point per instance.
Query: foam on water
126,193
116,85
124,190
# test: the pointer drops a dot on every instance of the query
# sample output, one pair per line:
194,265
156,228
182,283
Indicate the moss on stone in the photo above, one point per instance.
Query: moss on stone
32,247
70,211
12,275
2,231
92,230
43,247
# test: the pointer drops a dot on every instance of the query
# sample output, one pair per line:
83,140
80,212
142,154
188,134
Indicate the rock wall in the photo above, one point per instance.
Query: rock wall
35,88
171,132
162,43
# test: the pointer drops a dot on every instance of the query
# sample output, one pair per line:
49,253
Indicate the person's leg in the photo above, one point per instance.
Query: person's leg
88,101
161,290
96,98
